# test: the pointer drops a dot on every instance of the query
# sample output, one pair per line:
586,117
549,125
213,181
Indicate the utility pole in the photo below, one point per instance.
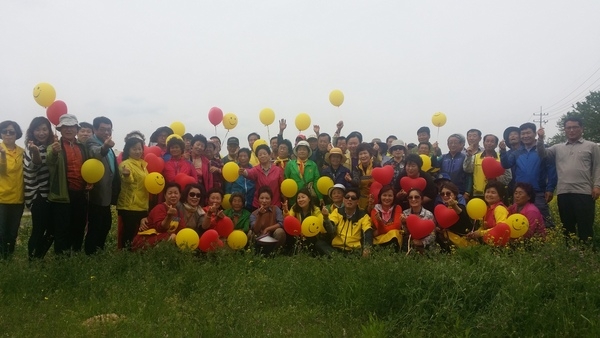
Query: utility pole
541,115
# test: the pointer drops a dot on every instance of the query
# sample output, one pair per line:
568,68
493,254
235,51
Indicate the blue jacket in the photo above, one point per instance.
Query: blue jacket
530,168
453,166
242,185
339,176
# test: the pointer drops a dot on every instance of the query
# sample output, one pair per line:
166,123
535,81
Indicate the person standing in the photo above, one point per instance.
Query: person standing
529,168
68,195
11,186
106,191
578,170
37,178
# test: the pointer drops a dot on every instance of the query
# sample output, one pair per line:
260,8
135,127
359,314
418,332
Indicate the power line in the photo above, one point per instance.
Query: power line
574,90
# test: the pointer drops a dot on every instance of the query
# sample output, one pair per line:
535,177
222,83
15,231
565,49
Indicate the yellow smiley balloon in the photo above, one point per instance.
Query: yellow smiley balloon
44,94
311,226
230,120
519,224
154,183
438,119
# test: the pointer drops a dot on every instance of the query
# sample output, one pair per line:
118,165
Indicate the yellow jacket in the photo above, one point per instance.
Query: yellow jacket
12,186
349,232
133,195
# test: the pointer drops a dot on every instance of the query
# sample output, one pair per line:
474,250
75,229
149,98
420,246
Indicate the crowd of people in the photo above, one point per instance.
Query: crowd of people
351,217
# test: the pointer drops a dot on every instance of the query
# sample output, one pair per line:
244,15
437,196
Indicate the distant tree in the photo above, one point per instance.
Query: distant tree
589,111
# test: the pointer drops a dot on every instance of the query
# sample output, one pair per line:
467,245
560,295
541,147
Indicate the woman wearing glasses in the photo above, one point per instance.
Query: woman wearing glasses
194,215
415,201
11,186
454,235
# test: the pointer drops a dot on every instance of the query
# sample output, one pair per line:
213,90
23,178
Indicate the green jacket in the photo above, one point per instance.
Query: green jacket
57,166
310,178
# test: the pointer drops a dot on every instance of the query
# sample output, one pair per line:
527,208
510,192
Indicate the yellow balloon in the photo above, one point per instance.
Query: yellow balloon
323,184
44,94
519,225
476,208
173,136
438,119
257,143
311,226
154,183
231,171
336,97
92,170
267,116
178,128
230,120
289,188
225,202
302,121
237,240
187,239
426,162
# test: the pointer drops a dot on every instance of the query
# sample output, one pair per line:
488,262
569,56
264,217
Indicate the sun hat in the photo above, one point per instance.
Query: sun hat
336,186
335,151
67,120
398,143
305,144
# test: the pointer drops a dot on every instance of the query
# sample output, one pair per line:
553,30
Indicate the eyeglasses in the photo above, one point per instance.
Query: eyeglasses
414,197
8,132
446,194
351,197
195,194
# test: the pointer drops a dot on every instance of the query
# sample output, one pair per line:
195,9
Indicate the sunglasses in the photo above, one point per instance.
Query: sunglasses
8,132
195,194
446,194
414,197
351,197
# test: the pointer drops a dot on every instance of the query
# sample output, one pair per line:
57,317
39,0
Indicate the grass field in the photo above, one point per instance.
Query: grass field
548,289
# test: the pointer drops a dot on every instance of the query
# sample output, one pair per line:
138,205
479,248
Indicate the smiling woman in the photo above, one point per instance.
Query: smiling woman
11,186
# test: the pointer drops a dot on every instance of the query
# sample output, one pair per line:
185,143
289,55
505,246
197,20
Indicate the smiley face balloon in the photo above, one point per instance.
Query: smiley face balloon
230,120
519,224
154,183
311,226
44,94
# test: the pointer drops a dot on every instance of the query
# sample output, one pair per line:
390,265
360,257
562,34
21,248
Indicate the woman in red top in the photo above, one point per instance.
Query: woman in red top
200,162
177,164
164,221
387,219
496,212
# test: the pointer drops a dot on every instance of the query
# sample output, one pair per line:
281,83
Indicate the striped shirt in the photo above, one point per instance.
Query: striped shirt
37,177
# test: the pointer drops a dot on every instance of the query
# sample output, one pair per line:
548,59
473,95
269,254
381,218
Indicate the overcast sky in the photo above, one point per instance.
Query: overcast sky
144,64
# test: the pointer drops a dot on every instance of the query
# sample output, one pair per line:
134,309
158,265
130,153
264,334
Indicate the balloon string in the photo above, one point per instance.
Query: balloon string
437,138
215,130
225,138
268,133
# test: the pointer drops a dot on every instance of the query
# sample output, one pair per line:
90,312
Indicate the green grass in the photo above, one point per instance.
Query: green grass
544,290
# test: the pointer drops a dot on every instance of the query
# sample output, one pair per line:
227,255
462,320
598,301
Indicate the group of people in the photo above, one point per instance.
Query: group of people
351,217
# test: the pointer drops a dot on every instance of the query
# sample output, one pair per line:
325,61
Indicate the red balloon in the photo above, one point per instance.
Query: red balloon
498,235
419,228
383,175
407,183
215,116
57,109
445,216
155,163
153,150
491,168
209,240
183,180
292,226
224,226
374,190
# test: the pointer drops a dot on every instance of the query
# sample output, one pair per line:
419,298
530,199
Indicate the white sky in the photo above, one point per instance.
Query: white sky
143,64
